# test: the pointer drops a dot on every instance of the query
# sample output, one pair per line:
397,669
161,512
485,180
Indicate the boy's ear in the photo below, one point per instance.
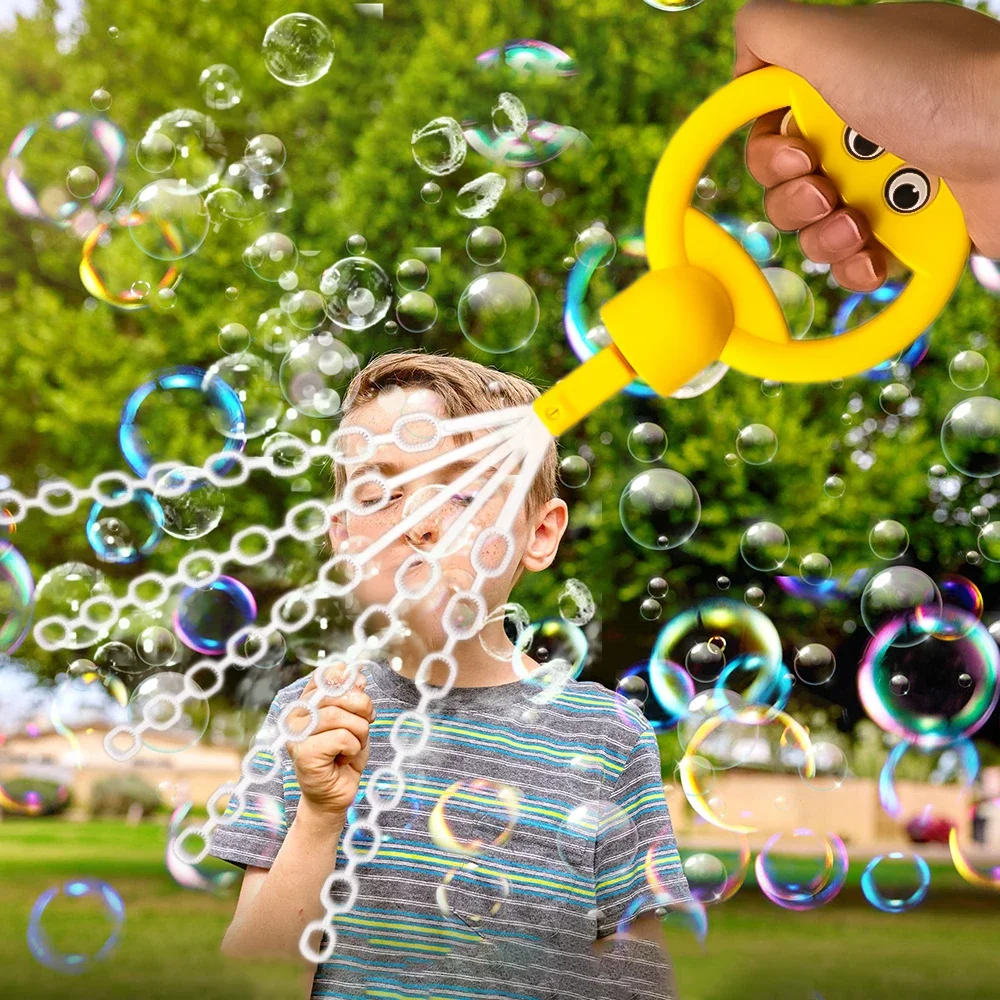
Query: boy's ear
338,532
545,532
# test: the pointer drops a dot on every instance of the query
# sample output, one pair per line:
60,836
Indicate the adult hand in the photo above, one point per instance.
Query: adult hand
919,79
329,762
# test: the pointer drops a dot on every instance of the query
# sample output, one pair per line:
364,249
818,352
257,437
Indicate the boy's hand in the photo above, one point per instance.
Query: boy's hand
918,79
329,762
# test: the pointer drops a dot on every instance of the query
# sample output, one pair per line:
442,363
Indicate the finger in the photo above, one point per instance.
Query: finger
337,718
357,702
841,234
326,747
773,158
798,203
360,760
862,272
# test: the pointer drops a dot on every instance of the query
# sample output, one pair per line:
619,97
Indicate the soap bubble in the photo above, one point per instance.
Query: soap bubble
834,487
156,646
574,472
509,116
889,539
899,592
756,444
529,58
969,370
795,299
220,86
647,442
802,886
893,398
82,182
100,99
660,509
988,542
199,150
764,546
117,658
754,596
486,246
265,154
275,333
595,246
498,312
551,640
541,142
602,822
43,153
17,591
62,591
479,197
358,293
298,49
896,882
576,603
315,374
85,905
172,220
251,378
412,275
126,533
970,437
155,152
472,894
207,616
650,609
815,568
706,876
632,688
306,309
439,147
431,193
706,189
416,312
814,663
668,5
270,255
534,180
762,241
191,505
175,723
933,689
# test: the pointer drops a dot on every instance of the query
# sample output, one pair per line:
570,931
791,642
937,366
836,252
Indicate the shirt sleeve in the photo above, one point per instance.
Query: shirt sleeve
254,836
637,865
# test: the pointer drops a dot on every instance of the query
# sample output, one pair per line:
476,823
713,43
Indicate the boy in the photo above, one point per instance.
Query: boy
532,848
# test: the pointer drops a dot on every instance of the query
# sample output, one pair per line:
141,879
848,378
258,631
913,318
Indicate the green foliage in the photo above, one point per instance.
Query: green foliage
67,363
52,797
115,796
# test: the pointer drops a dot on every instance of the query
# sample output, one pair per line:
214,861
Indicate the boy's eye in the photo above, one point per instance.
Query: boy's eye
375,500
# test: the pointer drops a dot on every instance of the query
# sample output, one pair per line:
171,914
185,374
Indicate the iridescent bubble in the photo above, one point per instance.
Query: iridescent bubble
126,533
815,568
315,374
479,197
764,546
949,681
439,147
265,154
889,539
358,293
172,219
220,86
62,591
156,646
632,688
762,241
175,722
706,876
412,275
899,594
270,255
431,193
784,881
199,150
595,246
814,663
509,116
574,472
647,442
756,444
498,312
17,591
191,505
298,49
543,141
486,246
896,882
473,895
660,509
528,57
83,904
969,370
207,616
251,378
970,437
834,487
416,312
795,299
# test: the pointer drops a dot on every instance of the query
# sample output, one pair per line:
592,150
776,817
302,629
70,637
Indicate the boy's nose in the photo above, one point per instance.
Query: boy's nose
423,535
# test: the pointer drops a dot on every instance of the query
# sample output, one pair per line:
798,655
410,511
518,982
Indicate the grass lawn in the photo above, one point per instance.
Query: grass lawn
946,948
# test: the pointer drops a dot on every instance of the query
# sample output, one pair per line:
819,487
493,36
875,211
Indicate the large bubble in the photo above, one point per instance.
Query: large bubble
17,593
781,877
358,293
191,506
171,220
199,150
207,616
82,904
899,591
175,722
498,312
936,692
314,375
298,49
660,509
970,436
439,147
252,379
63,591
540,142
896,882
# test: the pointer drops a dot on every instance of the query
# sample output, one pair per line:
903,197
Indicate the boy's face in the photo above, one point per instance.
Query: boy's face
536,538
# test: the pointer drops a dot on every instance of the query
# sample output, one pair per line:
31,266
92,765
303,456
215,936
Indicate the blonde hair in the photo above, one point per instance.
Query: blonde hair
465,387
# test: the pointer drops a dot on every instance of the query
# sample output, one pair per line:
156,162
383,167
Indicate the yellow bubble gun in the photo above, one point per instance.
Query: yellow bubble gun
705,299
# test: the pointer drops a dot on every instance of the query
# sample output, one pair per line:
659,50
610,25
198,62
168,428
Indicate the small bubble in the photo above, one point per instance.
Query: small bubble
706,189
756,444
431,193
723,583
595,246
232,293
114,31
754,596
965,680
834,487
899,684
357,244
771,389
647,442
650,609
574,471
166,298
486,246
534,180
730,459
657,587
100,99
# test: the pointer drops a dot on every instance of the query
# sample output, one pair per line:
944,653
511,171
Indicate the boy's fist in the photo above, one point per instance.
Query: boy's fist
329,762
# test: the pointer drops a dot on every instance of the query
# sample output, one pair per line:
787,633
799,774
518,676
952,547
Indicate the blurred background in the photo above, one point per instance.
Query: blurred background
824,509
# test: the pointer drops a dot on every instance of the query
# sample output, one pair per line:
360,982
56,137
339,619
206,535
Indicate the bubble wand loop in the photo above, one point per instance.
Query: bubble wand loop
705,299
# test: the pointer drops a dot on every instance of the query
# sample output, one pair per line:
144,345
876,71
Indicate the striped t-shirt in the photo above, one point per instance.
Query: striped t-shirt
553,831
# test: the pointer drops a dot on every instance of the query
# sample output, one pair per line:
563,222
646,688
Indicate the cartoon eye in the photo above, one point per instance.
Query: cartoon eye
859,147
907,190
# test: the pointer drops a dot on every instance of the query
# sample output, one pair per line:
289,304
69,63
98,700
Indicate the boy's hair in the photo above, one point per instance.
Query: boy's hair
465,387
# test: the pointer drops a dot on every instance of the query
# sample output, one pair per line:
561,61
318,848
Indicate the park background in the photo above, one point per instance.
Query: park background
67,363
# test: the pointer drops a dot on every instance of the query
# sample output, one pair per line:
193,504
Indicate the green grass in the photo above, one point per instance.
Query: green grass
946,948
